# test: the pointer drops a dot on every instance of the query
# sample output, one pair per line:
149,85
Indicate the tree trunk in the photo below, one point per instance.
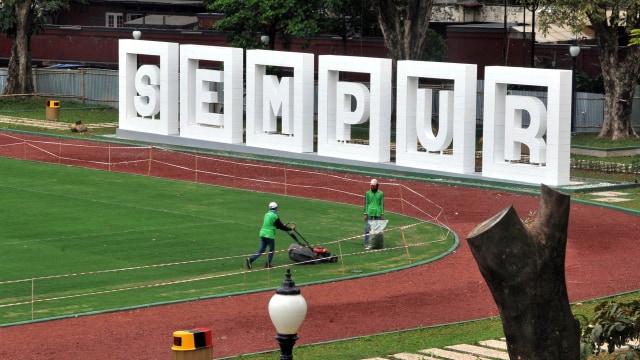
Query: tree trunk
620,74
417,16
390,26
404,27
524,269
19,74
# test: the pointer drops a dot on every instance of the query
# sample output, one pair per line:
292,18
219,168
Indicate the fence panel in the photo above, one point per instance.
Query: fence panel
590,112
58,82
91,86
101,87
3,78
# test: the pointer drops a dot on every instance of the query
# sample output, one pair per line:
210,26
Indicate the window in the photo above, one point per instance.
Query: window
114,20
133,16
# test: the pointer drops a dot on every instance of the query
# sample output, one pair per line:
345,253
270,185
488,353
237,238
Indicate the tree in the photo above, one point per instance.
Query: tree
612,21
348,18
19,20
404,25
635,37
435,48
523,265
248,20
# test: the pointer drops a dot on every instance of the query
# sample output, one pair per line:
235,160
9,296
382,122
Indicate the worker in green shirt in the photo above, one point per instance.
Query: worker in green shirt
373,208
267,234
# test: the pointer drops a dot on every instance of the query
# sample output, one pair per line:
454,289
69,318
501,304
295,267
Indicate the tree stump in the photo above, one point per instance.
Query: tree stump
523,266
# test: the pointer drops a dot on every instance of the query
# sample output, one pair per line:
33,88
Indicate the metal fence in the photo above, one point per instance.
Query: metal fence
99,86
91,86
590,109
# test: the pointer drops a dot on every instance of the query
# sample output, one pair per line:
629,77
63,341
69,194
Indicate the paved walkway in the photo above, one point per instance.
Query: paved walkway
485,350
490,349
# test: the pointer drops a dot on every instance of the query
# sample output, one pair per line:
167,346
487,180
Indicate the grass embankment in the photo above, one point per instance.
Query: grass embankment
383,345
70,111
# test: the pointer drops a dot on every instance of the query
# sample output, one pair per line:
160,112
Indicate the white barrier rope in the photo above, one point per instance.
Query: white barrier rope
200,163
210,277
182,262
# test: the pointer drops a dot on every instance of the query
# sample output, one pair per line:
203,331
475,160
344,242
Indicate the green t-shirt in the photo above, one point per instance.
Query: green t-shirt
374,203
268,229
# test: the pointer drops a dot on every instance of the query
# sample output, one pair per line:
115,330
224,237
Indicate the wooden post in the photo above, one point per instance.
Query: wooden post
523,266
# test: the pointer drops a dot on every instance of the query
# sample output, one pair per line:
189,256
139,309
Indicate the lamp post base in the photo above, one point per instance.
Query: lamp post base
286,345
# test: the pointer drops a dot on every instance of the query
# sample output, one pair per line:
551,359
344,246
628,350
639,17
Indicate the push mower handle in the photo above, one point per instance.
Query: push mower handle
295,232
289,225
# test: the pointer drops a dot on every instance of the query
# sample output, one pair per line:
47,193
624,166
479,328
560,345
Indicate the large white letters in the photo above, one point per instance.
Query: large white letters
280,109
346,94
334,111
147,82
138,110
197,97
503,134
297,119
456,121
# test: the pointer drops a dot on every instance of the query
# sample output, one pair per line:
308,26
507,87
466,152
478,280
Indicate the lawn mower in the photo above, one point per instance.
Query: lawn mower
303,253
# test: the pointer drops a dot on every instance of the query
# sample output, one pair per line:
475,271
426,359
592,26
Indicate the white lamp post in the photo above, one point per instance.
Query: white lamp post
265,40
574,50
287,309
136,34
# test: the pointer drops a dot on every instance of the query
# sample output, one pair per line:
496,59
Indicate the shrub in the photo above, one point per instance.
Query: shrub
614,325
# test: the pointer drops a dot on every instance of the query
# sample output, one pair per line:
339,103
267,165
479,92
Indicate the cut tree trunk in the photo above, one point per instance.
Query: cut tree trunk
523,266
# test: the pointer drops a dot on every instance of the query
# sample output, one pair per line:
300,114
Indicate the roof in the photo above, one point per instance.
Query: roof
556,34
165,21
480,27
198,3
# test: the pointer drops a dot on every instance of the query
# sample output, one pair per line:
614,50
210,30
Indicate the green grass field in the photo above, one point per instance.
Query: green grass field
70,110
76,240
70,241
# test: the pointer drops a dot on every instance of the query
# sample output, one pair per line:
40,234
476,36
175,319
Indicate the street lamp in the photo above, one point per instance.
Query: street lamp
532,6
287,309
264,39
574,50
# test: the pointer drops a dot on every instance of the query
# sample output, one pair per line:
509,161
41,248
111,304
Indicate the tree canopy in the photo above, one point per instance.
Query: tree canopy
9,21
348,18
404,25
19,20
612,22
249,20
